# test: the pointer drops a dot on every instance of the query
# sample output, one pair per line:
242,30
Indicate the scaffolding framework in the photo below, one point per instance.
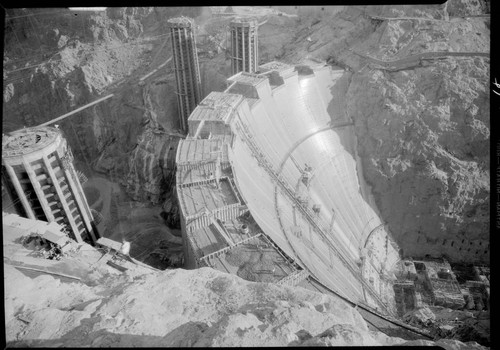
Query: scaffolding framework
187,70
244,46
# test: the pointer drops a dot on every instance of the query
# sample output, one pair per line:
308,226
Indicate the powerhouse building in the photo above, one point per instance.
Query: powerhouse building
38,171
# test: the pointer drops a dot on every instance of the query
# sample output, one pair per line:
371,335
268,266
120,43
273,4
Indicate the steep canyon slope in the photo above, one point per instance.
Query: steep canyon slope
423,134
422,120
56,60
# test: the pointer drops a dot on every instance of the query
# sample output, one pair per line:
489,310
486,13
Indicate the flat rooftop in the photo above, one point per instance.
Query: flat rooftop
217,106
198,150
244,22
207,240
194,156
197,174
28,140
199,197
276,66
247,78
182,22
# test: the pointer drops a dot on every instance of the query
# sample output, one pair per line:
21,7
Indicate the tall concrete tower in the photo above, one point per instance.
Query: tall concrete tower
244,45
187,70
38,171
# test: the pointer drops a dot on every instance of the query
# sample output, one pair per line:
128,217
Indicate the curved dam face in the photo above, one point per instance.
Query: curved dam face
283,144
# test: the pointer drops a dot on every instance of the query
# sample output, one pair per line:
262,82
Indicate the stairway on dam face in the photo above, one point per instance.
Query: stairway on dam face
276,136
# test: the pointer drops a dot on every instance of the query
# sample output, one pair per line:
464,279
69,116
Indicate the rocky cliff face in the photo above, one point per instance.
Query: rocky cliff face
422,122
424,139
58,61
83,55
179,308
423,134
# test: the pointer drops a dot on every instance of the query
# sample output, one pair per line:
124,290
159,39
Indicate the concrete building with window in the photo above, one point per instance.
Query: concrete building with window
41,180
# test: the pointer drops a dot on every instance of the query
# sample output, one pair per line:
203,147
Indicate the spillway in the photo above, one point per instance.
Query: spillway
285,146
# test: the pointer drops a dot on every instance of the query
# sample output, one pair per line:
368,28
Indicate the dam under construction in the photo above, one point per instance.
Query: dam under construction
256,170
273,155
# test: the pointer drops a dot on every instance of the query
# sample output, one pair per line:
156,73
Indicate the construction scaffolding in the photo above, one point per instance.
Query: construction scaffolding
244,46
187,70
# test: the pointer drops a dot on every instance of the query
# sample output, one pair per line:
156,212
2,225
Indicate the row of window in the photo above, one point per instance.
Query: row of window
50,195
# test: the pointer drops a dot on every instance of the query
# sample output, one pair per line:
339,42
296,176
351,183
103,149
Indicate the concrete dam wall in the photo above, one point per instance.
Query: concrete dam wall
277,145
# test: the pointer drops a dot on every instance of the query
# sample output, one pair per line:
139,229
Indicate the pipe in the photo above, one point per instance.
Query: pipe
49,272
75,111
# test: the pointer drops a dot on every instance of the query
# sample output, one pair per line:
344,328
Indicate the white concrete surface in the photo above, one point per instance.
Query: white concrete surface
290,126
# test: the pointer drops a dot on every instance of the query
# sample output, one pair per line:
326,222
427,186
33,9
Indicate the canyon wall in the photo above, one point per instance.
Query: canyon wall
424,140
423,133
180,308
56,61
422,122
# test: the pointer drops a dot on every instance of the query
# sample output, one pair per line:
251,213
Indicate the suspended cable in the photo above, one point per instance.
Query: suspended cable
36,14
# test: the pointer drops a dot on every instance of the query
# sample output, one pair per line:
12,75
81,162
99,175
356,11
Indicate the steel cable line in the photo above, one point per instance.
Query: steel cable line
34,14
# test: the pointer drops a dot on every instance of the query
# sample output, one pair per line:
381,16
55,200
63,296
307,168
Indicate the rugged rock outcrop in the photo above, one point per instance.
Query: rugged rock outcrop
423,134
453,324
82,57
203,307
146,180
422,122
